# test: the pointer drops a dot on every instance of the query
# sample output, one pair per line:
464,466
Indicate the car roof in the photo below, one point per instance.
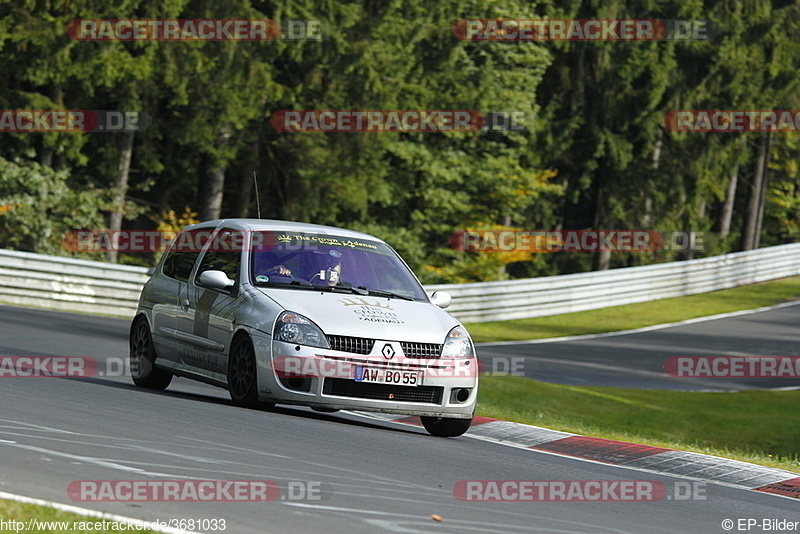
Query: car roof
255,225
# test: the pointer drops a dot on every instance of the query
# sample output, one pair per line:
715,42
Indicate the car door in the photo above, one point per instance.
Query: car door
205,325
171,283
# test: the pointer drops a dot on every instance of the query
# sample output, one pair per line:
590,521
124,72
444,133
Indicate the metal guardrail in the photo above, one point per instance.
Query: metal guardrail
95,287
537,297
69,284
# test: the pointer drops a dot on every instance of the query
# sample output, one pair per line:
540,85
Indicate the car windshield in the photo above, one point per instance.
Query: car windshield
315,261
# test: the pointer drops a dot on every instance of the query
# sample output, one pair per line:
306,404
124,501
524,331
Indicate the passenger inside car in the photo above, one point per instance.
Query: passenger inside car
315,267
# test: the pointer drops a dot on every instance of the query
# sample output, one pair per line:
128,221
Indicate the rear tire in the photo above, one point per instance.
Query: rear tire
242,377
142,358
445,427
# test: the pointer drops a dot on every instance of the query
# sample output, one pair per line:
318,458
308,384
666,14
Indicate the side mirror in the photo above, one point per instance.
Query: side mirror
215,280
441,299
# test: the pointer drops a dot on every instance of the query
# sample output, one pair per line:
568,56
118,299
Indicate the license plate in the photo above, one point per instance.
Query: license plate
388,376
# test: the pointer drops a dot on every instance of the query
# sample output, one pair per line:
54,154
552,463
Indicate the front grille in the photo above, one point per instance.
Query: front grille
420,350
363,345
389,364
354,345
339,387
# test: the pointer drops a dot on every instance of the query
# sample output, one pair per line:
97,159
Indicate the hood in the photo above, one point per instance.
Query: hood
373,317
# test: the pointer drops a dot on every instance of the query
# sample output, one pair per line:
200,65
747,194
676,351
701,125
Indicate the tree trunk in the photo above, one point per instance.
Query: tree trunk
751,227
245,193
246,183
507,223
701,214
211,193
602,259
763,192
727,208
46,154
730,197
120,190
647,217
213,183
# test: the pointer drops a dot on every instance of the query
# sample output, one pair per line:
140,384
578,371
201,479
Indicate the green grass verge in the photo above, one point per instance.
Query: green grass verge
761,427
22,512
638,315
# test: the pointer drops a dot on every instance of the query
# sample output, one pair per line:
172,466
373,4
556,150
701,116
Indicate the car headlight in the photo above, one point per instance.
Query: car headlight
295,328
458,344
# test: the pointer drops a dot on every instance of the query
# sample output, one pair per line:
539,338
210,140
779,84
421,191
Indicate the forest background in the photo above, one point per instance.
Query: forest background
594,153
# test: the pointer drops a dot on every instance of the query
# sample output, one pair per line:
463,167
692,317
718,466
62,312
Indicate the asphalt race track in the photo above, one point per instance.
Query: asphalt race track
379,477
637,360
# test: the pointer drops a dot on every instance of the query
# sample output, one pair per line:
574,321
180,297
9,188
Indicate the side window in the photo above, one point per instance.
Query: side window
183,254
179,264
225,254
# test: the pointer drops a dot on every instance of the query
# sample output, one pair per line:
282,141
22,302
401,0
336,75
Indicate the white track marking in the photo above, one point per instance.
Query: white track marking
462,524
638,330
713,387
90,460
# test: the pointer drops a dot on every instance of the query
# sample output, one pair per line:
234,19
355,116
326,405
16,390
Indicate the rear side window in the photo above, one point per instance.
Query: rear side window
179,264
183,254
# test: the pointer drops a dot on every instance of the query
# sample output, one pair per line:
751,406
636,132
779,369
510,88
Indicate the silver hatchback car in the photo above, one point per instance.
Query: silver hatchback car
293,313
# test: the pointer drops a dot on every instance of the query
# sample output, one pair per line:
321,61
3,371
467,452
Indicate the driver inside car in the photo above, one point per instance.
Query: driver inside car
279,269
324,269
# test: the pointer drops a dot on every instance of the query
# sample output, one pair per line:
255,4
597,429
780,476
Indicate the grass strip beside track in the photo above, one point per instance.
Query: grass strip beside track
47,520
639,315
761,427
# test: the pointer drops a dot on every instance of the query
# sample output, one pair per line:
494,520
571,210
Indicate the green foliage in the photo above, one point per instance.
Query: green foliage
594,153
39,207
783,194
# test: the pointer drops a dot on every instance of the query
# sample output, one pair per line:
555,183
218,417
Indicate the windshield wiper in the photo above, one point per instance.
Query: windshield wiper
383,293
294,284
348,287
302,284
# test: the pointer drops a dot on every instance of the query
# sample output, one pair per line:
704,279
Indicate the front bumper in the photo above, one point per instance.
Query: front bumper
292,374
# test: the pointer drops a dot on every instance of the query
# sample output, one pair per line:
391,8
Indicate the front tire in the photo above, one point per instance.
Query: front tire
142,359
242,378
445,427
